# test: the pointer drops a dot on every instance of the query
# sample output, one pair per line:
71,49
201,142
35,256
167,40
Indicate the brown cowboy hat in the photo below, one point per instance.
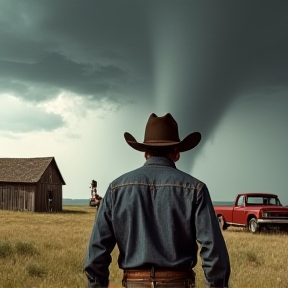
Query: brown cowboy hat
163,132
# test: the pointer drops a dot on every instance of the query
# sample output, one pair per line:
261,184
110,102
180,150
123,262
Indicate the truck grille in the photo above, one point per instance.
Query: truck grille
277,214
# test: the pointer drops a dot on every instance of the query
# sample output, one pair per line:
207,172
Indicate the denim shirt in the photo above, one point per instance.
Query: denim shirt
156,214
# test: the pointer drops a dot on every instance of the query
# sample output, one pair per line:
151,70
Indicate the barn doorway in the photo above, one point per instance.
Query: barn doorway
50,200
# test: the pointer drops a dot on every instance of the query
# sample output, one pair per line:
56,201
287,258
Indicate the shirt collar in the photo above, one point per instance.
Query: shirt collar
160,161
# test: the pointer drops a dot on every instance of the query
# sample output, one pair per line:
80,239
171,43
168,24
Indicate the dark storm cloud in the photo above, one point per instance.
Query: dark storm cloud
213,52
88,48
55,73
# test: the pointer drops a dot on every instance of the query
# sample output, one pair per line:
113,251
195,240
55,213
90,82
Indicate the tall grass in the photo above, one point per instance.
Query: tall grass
47,250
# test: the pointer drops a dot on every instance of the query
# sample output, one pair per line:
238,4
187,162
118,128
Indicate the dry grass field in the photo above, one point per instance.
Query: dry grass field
47,250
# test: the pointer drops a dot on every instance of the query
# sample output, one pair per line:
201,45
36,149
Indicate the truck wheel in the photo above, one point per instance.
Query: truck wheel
253,225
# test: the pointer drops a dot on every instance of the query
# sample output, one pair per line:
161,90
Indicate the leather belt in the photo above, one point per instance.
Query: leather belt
158,277
159,274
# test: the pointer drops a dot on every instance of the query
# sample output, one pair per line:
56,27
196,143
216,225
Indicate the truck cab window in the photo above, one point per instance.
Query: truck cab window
274,201
240,201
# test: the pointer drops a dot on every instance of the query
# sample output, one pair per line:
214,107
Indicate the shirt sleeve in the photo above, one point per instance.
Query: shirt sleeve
101,243
214,254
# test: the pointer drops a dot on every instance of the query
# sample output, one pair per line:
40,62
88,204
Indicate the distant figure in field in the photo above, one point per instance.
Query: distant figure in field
93,189
95,198
156,214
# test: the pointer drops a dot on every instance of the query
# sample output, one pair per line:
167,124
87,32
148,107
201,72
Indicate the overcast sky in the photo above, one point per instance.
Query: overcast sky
76,75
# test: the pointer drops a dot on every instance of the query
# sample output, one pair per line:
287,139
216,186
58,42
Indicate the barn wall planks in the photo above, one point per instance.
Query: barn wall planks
17,197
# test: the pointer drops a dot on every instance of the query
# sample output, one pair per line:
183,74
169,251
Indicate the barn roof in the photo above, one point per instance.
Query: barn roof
25,170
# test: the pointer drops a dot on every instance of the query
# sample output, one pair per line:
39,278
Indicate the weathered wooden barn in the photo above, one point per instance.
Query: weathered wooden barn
30,184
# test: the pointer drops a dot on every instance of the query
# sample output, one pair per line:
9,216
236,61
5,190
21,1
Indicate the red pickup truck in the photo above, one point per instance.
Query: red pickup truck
254,211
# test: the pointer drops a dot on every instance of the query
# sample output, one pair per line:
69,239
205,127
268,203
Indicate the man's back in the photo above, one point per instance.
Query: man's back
152,212
155,214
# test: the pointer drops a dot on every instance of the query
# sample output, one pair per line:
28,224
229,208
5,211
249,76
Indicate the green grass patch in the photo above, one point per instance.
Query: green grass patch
6,249
251,256
26,249
35,270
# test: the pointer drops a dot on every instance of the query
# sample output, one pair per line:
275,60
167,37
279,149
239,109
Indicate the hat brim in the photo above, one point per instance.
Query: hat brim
188,143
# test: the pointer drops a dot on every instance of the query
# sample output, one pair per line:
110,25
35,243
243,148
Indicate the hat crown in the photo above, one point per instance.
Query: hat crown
161,129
